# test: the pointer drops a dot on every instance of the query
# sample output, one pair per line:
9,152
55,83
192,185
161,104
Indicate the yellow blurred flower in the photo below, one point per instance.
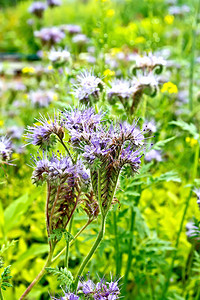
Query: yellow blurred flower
110,13
15,156
169,87
1,122
114,51
50,68
26,70
140,40
55,97
109,73
191,141
169,19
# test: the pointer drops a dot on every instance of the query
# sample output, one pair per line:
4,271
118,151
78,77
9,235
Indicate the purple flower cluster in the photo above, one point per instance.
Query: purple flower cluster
121,89
58,168
50,36
37,8
42,98
153,155
71,28
5,149
100,291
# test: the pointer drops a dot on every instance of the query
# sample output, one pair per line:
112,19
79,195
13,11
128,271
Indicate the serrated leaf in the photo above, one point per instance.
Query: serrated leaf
191,128
159,145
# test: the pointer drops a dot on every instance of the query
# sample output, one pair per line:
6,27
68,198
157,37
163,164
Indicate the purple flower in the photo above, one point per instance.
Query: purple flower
150,125
197,192
5,148
121,89
80,39
15,132
59,56
50,36
88,86
71,28
37,8
41,134
42,98
53,3
192,231
153,155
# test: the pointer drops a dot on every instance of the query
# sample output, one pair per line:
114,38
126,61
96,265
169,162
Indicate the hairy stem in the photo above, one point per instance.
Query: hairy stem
61,141
117,254
91,252
67,246
38,277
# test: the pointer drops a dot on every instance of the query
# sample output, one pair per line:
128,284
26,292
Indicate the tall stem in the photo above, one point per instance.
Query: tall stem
38,277
129,261
67,246
176,246
116,244
192,61
1,295
91,252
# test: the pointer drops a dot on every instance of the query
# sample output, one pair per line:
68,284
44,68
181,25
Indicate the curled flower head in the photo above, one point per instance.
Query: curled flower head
5,149
41,133
89,86
37,8
149,63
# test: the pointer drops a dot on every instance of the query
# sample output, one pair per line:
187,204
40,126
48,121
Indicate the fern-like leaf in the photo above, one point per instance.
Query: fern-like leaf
64,276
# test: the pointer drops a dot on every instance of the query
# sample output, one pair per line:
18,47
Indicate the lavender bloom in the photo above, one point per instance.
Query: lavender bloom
197,192
121,89
5,149
53,3
192,231
42,98
71,28
102,290
50,36
70,296
40,135
37,8
179,10
88,86
153,155
15,132
150,125
149,61
16,87
80,39
59,56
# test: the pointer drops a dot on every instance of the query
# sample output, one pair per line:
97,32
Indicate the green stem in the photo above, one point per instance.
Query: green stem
72,242
1,295
67,246
61,141
116,244
192,61
38,277
176,246
91,252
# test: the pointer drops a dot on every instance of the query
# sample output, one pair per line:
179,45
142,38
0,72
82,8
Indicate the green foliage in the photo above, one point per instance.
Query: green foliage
64,276
190,128
5,277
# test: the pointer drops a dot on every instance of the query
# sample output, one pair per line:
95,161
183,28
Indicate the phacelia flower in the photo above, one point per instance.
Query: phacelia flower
37,8
88,86
150,125
42,98
59,56
149,62
121,89
53,3
100,291
71,28
41,133
5,149
80,39
153,155
50,36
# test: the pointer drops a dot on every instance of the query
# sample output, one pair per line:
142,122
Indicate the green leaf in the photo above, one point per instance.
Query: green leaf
159,145
190,128
64,276
6,246
14,212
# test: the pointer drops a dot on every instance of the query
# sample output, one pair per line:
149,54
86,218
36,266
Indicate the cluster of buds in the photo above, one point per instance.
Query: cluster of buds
37,8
